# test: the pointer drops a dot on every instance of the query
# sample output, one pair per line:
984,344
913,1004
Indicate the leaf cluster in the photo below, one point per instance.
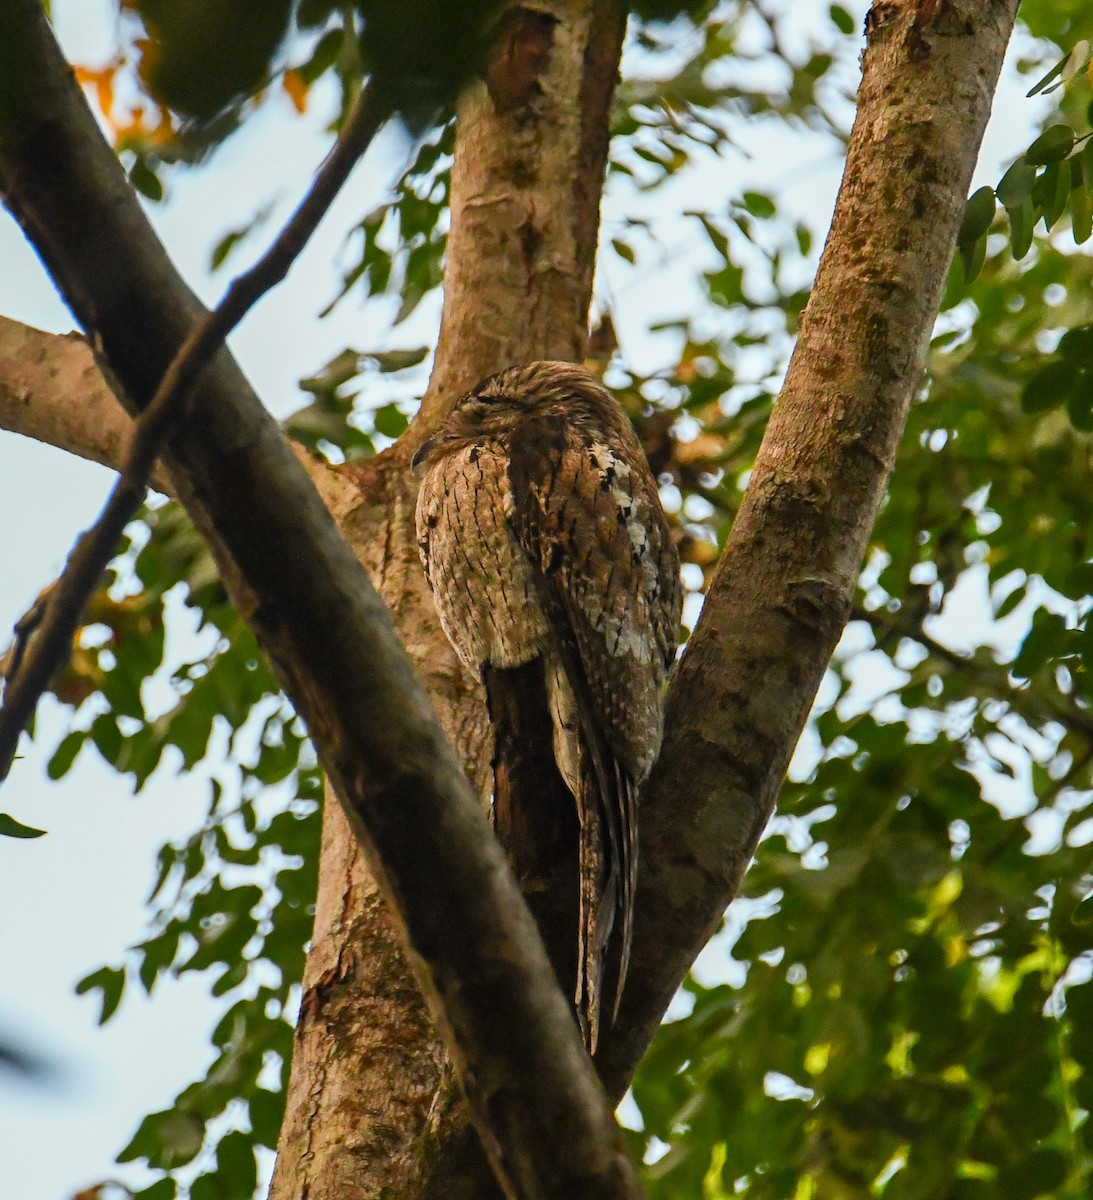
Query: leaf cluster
235,900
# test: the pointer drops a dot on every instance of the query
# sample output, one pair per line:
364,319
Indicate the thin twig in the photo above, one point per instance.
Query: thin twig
22,633
49,643
1034,706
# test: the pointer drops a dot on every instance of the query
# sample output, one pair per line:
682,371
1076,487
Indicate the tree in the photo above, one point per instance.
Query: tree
917,944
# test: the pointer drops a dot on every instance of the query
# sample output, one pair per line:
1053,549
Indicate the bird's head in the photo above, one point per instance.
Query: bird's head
493,407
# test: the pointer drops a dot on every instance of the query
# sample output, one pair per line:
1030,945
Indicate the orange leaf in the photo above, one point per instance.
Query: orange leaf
103,82
293,83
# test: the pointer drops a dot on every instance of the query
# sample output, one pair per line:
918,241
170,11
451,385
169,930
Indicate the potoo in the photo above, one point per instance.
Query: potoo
546,549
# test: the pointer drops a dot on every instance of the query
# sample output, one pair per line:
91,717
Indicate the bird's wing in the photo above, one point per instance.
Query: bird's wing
477,572
586,511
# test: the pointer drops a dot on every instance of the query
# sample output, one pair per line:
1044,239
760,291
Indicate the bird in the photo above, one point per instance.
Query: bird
546,549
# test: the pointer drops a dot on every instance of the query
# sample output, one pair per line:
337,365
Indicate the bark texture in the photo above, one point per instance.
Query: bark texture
475,951
526,184
51,389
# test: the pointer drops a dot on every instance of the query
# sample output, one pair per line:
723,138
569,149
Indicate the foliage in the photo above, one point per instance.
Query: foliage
911,1022
913,971
901,1005
235,899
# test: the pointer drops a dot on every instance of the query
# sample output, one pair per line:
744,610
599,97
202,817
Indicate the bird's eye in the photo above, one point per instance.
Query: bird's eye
476,410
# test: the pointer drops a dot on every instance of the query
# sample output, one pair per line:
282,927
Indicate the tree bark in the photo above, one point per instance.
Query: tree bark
473,946
52,390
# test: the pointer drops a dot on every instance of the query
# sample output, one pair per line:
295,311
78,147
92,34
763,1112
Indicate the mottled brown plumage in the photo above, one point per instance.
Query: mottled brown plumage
543,538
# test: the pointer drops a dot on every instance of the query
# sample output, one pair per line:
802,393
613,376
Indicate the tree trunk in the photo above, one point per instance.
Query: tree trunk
372,1107
782,595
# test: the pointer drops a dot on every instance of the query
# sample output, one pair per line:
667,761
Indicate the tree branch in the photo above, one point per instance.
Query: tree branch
52,390
783,590
474,947
1034,705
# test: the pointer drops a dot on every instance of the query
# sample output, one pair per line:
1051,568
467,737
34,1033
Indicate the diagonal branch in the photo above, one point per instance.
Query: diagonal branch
44,636
472,943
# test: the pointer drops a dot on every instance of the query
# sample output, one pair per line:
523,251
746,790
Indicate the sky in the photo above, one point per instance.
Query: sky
73,900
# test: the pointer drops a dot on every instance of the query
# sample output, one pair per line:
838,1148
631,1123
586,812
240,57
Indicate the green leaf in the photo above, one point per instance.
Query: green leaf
225,246
1079,408
1054,144
10,827
1043,644
166,1139
759,205
841,19
390,420
1048,387
236,1165
1012,600
973,255
1086,159
1076,346
978,215
1041,1174
111,982
1054,73
65,755
1016,184
1022,219
1056,190
1081,214
324,56
624,250
158,954
162,1189
145,180
267,1110
106,737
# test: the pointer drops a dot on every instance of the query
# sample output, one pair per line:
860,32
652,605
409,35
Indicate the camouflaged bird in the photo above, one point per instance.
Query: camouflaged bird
543,538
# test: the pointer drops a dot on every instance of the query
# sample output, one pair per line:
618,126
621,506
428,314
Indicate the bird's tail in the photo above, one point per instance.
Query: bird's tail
607,806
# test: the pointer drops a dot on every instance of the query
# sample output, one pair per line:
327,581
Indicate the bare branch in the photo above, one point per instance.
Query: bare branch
473,945
51,390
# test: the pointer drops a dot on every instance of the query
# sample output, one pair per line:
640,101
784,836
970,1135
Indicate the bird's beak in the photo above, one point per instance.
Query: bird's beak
421,452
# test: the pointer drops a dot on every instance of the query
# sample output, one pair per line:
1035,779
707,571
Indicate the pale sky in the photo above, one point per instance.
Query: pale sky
73,900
